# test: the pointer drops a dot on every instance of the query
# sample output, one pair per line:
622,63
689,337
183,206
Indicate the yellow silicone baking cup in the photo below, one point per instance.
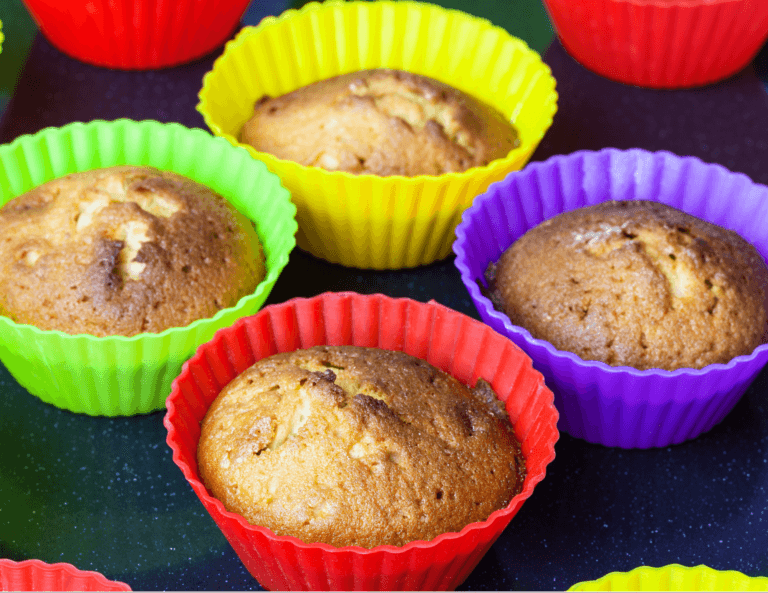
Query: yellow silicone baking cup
368,221
675,577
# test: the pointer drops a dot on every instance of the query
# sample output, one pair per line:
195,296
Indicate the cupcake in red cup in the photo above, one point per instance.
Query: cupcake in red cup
661,43
35,575
618,405
454,343
136,35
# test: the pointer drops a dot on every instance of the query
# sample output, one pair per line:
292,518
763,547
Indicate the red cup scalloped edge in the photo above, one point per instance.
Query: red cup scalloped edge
36,575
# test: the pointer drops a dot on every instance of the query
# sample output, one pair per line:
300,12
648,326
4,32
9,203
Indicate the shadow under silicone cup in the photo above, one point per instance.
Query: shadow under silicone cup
368,221
455,343
617,406
120,375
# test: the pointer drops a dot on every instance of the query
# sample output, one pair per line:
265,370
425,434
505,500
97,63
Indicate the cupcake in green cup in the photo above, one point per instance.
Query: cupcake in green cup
118,375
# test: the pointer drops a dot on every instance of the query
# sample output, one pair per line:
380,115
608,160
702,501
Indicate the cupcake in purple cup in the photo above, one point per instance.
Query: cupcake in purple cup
617,405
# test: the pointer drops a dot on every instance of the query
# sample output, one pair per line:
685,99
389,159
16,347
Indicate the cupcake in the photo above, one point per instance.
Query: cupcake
635,283
674,577
457,345
380,122
617,405
131,35
355,446
34,575
123,250
661,43
366,220
129,374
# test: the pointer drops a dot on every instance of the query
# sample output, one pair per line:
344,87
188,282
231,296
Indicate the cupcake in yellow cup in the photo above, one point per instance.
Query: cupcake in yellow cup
119,375
365,220
675,577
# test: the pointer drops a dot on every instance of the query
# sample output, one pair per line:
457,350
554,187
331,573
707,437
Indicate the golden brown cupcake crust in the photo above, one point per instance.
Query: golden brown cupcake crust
122,251
358,446
635,283
381,122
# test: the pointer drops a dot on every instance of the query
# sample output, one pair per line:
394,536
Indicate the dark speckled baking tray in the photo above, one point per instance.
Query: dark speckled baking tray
104,494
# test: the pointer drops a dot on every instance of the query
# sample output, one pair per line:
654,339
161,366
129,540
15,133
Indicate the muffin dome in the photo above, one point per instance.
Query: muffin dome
358,446
381,122
635,283
122,251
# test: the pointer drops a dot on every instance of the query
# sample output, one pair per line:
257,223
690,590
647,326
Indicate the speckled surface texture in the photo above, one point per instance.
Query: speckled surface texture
104,494
724,123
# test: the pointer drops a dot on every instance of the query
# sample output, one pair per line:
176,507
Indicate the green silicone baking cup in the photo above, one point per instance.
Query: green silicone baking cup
118,375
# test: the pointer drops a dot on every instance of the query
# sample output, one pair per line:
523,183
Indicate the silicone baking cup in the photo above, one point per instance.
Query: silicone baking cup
661,43
457,344
119,375
34,575
675,577
617,406
368,221
136,34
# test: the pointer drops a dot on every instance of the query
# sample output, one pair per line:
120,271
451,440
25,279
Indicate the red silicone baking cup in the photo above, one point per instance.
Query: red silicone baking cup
661,43
137,34
451,341
35,575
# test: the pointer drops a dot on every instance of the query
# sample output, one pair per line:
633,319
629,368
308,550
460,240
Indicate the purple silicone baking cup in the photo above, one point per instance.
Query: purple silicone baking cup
617,406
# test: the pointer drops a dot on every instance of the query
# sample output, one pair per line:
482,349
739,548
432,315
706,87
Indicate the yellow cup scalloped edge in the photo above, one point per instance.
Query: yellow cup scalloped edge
674,577
368,221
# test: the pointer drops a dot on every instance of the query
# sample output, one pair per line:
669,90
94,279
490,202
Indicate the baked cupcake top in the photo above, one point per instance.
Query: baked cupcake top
358,446
381,122
122,251
635,283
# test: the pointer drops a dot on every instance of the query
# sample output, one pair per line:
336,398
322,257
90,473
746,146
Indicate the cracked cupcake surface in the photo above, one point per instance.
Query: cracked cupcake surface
358,446
635,283
122,251
381,122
